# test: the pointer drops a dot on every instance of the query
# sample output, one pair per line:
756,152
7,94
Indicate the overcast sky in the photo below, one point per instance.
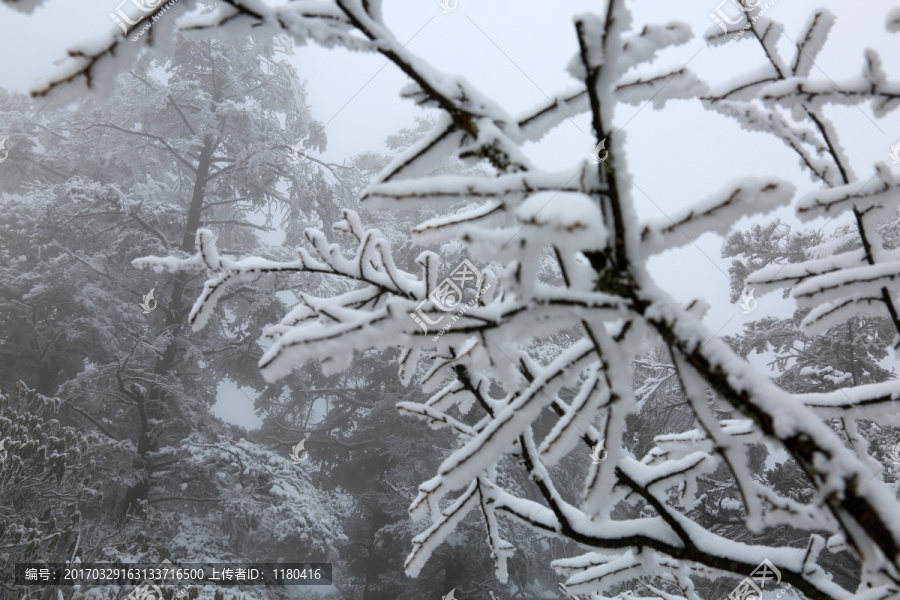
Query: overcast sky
516,52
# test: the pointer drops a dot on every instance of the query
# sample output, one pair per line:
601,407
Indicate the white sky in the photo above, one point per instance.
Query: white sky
516,52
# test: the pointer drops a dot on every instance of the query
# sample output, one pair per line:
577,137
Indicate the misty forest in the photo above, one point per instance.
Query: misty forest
497,398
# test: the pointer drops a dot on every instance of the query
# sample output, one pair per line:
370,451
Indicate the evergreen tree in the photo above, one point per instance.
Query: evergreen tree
847,355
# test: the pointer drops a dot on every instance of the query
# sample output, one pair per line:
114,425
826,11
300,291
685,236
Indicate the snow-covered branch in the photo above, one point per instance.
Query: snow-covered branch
531,371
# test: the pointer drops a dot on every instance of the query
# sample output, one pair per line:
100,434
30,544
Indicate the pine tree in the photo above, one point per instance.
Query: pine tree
847,355
197,140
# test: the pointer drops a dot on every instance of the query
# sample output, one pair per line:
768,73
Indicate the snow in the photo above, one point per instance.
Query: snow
813,39
556,219
566,301
716,213
892,21
874,197
645,46
682,84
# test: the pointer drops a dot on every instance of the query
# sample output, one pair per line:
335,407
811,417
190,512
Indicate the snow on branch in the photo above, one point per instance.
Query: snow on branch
871,85
525,346
821,153
875,196
876,398
716,213
454,188
811,42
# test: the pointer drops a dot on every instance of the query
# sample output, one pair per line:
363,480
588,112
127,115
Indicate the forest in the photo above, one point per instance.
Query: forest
470,379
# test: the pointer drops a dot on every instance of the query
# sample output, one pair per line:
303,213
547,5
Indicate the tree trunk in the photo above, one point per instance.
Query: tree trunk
177,306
